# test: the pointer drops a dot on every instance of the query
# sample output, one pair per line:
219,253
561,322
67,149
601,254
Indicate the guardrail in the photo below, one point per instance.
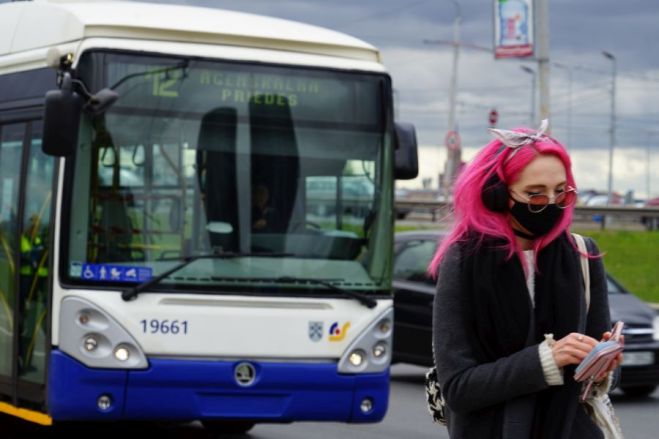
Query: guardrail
613,217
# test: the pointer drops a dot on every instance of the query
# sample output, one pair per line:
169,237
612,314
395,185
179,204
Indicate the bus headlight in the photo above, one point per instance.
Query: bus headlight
357,357
366,406
93,337
91,343
384,326
370,352
121,353
380,349
83,318
104,402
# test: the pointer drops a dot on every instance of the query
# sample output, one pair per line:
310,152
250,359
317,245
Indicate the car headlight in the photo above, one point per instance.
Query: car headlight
655,327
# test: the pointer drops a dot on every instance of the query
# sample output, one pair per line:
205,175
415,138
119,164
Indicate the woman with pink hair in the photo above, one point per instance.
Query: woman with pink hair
510,320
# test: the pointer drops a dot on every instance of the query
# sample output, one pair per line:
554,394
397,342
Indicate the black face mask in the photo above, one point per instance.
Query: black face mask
537,223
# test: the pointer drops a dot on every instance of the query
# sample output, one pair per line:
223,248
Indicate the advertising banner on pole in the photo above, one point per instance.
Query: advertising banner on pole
513,28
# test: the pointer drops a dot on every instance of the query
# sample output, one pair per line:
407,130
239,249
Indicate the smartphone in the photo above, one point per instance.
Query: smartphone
616,331
600,358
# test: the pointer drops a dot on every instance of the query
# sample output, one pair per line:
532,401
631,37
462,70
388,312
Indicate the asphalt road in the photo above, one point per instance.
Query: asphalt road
407,419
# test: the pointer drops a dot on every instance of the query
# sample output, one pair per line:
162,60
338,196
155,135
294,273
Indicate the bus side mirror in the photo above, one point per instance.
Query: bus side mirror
407,162
61,119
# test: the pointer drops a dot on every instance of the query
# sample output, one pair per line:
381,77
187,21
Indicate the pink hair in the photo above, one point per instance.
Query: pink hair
470,214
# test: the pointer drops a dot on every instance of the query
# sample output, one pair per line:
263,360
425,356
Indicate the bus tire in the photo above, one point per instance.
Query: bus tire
228,427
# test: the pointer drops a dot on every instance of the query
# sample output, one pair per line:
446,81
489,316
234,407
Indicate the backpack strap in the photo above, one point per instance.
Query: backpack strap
581,245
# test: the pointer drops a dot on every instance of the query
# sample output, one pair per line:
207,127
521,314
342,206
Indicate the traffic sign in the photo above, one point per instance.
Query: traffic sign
452,140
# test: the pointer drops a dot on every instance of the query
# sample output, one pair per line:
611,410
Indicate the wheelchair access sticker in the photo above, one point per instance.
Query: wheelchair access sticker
115,273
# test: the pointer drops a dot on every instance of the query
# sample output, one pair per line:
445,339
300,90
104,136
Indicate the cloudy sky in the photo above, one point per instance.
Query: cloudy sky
580,76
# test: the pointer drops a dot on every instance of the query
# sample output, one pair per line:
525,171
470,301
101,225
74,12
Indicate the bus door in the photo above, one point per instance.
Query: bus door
26,182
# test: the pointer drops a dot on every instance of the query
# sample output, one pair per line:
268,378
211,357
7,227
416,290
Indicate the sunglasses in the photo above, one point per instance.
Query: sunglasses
539,202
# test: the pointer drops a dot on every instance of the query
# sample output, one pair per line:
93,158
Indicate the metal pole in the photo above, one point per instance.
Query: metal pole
647,167
454,70
542,54
533,85
453,154
568,69
612,132
647,170
569,107
533,88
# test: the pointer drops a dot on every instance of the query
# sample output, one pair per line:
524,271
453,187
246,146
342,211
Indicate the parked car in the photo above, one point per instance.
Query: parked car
414,292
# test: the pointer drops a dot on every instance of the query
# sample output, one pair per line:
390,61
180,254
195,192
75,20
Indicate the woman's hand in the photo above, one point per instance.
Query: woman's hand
617,361
572,349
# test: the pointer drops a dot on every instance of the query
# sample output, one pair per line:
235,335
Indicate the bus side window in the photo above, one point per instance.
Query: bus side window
11,142
34,271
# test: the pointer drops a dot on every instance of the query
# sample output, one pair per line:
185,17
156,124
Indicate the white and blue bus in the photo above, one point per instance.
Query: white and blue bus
196,216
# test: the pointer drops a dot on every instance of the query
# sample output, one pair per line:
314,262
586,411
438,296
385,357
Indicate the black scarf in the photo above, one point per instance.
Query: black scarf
502,310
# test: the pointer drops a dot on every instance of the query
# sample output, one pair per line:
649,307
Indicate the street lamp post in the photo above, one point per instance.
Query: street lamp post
532,113
542,54
648,158
454,71
568,69
612,132
453,154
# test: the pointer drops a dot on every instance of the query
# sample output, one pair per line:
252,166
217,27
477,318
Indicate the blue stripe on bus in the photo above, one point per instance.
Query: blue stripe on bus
73,389
196,389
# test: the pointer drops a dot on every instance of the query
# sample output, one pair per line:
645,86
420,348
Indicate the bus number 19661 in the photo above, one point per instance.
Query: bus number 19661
155,326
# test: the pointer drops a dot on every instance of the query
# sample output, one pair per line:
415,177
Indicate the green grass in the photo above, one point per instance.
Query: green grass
405,228
632,258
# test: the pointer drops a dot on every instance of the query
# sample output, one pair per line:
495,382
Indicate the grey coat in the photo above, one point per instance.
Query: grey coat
493,400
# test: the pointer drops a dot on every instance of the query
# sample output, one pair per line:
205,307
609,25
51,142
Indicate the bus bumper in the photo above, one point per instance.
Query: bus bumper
188,390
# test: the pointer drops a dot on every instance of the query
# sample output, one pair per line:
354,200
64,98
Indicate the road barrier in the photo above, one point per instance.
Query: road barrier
605,217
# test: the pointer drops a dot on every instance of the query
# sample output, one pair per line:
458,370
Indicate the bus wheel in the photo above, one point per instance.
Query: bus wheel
228,427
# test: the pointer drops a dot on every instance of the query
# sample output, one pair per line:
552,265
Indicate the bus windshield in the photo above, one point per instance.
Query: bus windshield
284,168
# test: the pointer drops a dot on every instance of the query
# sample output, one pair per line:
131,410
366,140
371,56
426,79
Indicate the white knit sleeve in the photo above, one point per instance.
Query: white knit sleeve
553,375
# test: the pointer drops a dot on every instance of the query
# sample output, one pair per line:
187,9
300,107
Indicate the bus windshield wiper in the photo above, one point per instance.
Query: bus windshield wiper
131,293
368,302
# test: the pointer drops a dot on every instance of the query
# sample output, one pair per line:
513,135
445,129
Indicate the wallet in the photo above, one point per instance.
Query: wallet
599,359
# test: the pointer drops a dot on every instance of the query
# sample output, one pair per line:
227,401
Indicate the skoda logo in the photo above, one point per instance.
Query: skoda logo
245,374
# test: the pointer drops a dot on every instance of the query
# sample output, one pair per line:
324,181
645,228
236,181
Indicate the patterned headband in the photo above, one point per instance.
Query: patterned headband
515,139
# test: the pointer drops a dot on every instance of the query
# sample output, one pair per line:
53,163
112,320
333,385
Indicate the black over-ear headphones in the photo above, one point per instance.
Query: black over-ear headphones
494,194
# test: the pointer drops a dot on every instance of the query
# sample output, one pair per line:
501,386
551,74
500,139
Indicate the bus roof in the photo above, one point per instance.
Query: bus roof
26,26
